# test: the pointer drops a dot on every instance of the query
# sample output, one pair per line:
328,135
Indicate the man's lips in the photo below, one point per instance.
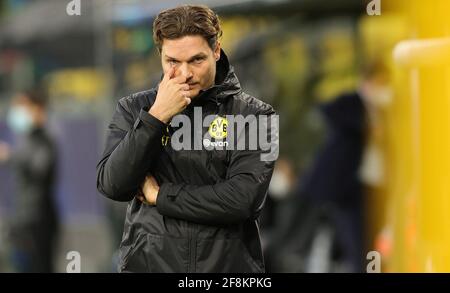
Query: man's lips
192,85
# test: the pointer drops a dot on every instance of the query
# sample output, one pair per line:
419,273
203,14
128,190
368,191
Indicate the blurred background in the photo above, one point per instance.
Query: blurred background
364,105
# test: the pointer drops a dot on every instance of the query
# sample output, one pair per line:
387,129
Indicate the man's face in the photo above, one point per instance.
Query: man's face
193,58
23,114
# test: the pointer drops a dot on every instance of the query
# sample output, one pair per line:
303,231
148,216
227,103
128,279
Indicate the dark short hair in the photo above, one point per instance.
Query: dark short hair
187,20
36,96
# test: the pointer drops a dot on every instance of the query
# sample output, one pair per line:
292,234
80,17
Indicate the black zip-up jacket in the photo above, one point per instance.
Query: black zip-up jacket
205,218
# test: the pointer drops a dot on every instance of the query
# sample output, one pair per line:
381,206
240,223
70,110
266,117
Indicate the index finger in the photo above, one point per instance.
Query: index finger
169,74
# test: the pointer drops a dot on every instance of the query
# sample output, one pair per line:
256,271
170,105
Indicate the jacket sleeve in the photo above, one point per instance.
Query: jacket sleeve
131,146
240,197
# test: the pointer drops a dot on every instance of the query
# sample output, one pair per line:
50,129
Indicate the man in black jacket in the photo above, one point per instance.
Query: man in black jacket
190,209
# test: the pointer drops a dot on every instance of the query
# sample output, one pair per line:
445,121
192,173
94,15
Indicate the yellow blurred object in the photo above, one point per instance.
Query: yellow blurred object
415,201
429,52
236,28
84,84
336,65
288,61
122,39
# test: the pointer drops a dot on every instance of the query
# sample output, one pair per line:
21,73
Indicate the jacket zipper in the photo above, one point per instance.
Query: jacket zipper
192,242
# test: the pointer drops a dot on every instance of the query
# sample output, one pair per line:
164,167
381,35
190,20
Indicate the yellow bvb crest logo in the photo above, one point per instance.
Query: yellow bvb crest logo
218,128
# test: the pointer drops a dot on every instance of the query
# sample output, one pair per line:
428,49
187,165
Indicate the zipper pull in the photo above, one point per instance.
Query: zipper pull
165,137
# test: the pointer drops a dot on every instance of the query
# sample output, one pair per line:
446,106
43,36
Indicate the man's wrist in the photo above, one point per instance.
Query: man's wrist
158,115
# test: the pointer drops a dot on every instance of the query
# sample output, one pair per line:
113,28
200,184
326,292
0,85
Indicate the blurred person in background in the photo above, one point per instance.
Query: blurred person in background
33,229
189,210
325,233
279,190
333,186
277,212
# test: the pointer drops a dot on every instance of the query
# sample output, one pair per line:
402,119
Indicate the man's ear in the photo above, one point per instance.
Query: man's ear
217,51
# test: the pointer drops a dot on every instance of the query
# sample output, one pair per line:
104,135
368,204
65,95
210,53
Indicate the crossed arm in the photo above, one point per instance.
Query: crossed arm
122,174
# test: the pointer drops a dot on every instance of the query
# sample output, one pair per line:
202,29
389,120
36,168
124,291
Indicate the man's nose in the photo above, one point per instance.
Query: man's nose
185,71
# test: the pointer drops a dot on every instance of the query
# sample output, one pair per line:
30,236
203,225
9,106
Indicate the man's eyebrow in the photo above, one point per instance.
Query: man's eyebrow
199,55
171,58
